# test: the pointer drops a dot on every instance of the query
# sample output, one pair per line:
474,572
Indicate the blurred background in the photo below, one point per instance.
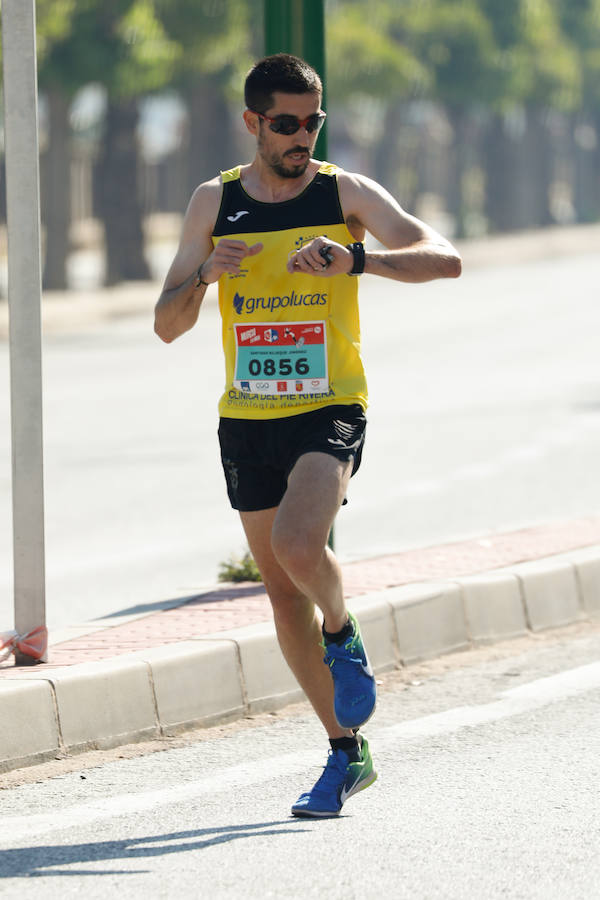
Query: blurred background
481,116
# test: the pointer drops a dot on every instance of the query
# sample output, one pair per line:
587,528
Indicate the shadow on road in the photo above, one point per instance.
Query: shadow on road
28,862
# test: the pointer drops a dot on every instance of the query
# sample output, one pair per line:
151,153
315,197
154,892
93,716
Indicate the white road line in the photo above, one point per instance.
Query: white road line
514,702
519,700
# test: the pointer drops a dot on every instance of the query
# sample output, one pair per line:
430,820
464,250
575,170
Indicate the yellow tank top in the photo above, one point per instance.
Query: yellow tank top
291,342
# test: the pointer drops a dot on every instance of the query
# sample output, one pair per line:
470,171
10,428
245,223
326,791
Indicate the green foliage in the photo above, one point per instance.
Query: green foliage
53,19
456,42
235,569
496,52
120,44
145,57
547,65
369,56
580,22
464,52
215,38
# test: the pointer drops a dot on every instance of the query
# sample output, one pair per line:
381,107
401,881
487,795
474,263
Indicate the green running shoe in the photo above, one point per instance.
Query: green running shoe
340,780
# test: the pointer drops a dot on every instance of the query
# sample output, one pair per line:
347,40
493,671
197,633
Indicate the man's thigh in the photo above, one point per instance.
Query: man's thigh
315,491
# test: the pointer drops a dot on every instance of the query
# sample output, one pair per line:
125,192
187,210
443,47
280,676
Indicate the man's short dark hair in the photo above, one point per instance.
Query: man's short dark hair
281,72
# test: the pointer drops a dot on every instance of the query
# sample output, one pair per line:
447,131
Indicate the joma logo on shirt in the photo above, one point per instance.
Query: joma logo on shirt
250,304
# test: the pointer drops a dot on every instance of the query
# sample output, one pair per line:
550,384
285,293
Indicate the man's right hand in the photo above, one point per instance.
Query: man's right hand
227,257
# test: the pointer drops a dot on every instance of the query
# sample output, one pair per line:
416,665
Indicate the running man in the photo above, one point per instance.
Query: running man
283,237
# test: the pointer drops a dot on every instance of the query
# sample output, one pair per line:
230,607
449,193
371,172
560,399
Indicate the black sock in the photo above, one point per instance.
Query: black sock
339,636
350,745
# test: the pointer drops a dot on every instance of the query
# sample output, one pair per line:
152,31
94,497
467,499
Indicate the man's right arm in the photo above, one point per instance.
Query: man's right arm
196,261
179,304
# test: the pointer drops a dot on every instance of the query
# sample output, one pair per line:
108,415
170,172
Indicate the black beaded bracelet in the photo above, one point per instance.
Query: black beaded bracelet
358,252
199,277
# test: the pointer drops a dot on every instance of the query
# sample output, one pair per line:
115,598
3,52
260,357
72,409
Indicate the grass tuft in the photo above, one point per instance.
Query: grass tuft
236,569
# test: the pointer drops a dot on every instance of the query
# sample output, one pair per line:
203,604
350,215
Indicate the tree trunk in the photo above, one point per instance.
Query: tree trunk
500,152
534,173
595,181
118,195
212,139
585,151
459,159
56,192
519,171
385,152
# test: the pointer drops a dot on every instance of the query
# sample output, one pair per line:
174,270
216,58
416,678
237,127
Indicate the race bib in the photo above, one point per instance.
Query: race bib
281,358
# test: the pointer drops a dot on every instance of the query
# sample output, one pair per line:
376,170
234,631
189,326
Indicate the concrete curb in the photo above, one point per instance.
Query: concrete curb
213,679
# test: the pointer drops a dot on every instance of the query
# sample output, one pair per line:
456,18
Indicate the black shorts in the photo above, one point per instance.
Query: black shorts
259,454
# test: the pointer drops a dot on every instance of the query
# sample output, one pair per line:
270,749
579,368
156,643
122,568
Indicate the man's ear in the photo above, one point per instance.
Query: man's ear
251,120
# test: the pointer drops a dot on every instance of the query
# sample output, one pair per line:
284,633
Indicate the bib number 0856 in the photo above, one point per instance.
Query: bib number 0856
284,367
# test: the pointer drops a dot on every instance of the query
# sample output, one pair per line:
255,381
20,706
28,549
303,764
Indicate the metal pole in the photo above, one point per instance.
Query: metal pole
298,27
313,51
24,295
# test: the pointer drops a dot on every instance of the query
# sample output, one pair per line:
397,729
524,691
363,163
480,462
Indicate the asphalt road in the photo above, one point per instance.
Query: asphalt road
488,788
485,415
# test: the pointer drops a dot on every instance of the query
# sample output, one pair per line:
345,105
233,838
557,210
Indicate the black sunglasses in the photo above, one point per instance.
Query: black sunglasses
285,124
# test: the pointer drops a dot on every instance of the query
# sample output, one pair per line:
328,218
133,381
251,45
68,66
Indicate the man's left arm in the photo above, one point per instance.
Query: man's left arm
414,251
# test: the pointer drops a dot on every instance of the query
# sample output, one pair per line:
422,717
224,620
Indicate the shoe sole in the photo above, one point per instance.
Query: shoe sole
360,724
332,814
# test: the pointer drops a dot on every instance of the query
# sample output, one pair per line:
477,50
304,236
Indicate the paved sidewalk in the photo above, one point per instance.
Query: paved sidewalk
235,606
215,656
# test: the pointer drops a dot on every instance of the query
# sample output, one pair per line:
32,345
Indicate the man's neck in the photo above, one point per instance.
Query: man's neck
263,184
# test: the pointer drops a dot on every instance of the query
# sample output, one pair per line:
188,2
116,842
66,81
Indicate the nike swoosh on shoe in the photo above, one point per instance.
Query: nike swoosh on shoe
345,792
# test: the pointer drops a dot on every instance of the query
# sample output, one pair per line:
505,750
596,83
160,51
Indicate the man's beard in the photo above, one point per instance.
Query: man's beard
296,171
278,165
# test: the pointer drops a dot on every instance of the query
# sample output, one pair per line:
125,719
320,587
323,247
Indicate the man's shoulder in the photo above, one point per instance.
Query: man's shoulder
355,188
205,201
211,191
208,189
353,179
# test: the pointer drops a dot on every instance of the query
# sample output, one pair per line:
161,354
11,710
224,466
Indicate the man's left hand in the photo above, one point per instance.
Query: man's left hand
310,260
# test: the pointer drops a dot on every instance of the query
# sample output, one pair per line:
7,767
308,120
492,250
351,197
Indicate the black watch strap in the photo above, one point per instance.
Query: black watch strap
357,250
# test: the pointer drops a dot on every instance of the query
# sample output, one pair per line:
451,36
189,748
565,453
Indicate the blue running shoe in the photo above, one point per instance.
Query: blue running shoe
354,688
340,780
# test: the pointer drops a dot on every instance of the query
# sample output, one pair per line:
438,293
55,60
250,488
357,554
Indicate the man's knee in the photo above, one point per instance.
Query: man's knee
298,551
291,609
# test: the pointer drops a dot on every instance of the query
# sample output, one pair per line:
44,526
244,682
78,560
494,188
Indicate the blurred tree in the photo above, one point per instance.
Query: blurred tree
372,54
372,72
456,42
121,45
218,42
139,58
60,83
371,78
505,66
418,48
580,21
511,59
542,72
